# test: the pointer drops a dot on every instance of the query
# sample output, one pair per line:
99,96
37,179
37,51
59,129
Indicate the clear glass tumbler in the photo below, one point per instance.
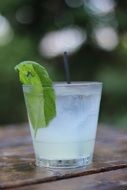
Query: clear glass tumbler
68,140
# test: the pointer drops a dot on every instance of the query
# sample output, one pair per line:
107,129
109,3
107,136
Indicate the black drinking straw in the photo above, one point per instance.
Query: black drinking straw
66,68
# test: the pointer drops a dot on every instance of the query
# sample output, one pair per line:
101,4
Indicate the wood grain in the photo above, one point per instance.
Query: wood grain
113,180
17,158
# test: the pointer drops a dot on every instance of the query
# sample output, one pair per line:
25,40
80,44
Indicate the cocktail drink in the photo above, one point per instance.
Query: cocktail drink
63,129
68,140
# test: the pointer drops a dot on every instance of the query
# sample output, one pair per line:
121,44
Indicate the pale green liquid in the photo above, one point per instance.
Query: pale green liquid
64,150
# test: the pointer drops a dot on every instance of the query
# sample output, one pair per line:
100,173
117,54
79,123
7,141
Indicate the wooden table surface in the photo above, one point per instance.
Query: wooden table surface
17,169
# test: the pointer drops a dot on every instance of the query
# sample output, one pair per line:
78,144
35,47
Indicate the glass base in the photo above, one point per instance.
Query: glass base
72,163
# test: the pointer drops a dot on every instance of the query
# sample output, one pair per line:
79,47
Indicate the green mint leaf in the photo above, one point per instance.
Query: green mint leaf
40,99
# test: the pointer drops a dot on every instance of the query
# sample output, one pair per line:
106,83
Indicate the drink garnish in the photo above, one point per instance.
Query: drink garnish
41,99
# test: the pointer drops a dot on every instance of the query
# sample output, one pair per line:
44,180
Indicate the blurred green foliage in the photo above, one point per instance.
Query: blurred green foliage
31,20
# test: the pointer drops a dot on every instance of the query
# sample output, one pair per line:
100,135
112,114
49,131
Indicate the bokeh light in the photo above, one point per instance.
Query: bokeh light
74,3
56,42
99,7
6,32
106,37
24,15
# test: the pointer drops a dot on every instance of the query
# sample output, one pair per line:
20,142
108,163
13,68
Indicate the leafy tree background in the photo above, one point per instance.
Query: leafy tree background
31,20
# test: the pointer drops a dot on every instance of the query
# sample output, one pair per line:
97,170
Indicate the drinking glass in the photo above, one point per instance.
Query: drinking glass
68,140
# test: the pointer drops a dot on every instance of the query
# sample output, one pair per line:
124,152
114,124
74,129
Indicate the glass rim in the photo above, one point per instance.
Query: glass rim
73,83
